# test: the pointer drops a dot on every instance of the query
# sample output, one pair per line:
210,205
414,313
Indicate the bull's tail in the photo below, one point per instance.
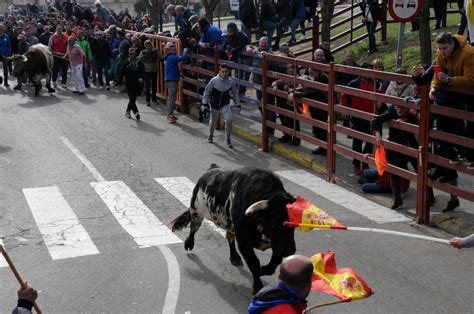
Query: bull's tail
181,222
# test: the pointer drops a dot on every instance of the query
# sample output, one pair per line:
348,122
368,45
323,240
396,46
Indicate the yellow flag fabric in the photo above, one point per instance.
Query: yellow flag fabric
343,283
303,211
470,11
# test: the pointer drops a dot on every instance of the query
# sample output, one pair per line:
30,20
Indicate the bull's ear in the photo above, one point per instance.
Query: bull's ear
258,206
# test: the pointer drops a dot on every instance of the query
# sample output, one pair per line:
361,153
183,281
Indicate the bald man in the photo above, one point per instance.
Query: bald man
289,294
319,56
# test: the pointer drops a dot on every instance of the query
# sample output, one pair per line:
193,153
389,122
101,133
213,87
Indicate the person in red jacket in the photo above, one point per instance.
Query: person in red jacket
289,294
362,104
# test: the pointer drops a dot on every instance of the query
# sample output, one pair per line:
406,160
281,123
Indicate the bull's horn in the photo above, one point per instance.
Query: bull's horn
24,58
260,205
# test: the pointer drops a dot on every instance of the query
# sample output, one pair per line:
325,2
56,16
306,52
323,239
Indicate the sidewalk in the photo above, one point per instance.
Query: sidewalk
459,222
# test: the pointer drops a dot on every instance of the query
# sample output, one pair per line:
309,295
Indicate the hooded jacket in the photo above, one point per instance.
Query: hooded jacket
459,65
277,298
217,92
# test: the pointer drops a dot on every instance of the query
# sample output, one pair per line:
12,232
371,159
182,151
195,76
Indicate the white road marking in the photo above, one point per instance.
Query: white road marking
95,173
171,299
182,189
133,215
343,197
3,262
172,293
63,234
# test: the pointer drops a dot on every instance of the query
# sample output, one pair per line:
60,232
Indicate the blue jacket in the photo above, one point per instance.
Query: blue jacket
211,35
114,44
5,45
298,10
172,66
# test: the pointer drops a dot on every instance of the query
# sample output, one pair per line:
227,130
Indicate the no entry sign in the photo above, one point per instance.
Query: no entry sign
404,10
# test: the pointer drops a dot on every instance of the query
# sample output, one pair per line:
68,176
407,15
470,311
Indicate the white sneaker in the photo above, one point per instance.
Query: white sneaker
303,37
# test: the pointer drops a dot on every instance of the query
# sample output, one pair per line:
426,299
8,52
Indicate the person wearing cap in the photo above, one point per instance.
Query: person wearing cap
211,37
150,57
172,77
76,60
216,98
235,43
134,71
102,13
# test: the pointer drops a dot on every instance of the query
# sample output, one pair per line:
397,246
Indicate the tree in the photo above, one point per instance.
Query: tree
425,33
154,7
210,7
327,11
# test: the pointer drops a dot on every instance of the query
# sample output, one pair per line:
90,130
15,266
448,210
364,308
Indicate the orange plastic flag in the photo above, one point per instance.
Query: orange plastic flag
380,159
343,283
303,211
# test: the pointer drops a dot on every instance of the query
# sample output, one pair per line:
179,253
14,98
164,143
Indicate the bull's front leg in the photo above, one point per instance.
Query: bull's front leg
252,263
269,269
196,222
37,88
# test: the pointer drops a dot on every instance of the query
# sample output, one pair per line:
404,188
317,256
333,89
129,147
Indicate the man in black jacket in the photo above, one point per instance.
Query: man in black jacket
235,43
371,12
248,16
102,56
134,71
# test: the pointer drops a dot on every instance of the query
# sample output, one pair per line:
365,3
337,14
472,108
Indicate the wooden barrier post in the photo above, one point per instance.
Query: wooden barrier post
422,203
264,103
331,139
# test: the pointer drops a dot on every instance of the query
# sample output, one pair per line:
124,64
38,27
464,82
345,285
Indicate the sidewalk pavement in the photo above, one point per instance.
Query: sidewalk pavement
459,222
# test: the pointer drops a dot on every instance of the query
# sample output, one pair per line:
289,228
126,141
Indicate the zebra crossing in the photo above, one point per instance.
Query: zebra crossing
65,237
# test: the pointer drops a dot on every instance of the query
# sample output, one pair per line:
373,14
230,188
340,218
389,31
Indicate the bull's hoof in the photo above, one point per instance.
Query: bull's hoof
51,90
189,244
236,261
266,270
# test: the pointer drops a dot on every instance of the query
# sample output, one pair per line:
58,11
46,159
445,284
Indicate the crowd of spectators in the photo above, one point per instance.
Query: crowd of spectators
95,45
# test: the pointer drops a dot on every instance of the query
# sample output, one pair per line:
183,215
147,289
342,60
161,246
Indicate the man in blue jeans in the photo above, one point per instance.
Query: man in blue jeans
172,77
5,51
371,12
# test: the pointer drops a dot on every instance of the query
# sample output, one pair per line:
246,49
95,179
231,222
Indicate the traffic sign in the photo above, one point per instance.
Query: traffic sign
404,10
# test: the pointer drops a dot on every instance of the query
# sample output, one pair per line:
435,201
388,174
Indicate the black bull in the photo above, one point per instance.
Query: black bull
36,64
250,204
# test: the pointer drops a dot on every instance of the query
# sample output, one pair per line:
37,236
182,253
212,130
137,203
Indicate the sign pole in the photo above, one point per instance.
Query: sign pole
401,34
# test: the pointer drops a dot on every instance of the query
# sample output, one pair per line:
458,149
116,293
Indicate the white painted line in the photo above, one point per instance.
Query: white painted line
145,233
63,234
3,262
172,294
83,159
133,215
182,189
343,197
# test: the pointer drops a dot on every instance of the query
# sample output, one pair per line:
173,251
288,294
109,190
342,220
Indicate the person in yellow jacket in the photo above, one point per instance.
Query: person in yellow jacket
469,10
455,60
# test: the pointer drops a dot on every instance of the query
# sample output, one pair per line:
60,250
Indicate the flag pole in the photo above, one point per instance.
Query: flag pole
321,305
392,232
17,275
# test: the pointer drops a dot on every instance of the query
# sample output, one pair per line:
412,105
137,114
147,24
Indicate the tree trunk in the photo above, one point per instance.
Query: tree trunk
327,9
210,7
425,34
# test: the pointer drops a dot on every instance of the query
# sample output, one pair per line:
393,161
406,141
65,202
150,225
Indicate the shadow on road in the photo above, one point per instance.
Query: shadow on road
236,295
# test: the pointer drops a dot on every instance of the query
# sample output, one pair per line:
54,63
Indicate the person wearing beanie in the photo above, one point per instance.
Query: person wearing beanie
150,57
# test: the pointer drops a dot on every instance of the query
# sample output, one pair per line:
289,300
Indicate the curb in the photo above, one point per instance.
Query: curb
454,225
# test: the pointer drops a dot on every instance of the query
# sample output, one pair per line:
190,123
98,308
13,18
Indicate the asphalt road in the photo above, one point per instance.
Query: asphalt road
63,143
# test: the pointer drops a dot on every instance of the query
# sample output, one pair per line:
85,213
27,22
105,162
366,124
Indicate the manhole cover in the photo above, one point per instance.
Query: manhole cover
4,162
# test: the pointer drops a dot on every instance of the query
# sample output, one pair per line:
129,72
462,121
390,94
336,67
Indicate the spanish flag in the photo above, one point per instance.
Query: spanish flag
307,216
343,283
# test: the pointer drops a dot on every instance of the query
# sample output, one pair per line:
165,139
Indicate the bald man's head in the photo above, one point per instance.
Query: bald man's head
296,272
